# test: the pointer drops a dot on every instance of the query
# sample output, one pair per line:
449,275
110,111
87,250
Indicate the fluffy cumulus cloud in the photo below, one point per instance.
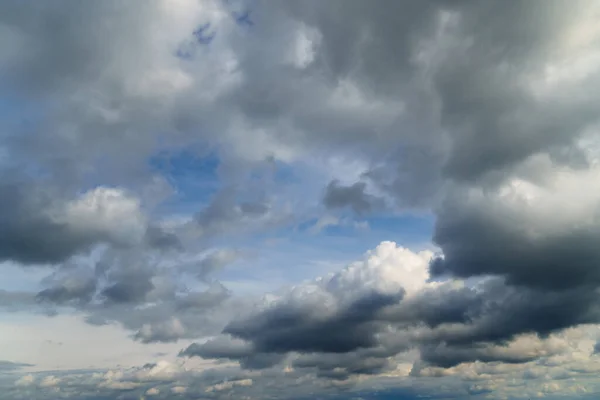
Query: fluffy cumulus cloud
192,174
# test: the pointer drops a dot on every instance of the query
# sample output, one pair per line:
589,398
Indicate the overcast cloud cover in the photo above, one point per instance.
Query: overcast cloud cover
345,199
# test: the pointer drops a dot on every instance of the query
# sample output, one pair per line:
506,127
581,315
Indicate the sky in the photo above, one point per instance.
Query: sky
341,199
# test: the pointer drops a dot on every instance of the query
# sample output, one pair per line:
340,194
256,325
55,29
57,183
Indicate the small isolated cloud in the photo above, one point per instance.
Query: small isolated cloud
152,392
178,389
220,387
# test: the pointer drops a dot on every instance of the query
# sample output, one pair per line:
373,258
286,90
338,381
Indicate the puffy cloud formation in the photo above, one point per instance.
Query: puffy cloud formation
372,314
150,154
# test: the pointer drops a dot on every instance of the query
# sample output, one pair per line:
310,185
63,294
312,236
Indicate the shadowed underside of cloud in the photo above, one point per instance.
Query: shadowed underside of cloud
355,321
353,196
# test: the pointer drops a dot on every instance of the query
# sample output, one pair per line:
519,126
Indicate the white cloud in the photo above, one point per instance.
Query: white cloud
179,389
25,380
50,381
107,211
161,371
152,392
219,387
387,268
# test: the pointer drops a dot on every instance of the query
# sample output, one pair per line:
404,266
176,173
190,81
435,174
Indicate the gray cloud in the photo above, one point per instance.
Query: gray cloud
132,288
28,234
353,196
484,239
445,105
288,328
233,349
448,324
12,366
73,289
343,366
215,261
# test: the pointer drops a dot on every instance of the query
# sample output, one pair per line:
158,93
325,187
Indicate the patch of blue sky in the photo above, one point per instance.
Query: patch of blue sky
205,34
202,36
193,176
197,177
412,231
285,172
294,254
407,230
243,18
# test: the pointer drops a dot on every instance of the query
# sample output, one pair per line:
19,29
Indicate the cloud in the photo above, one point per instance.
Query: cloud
215,261
479,114
336,314
12,366
152,392
167,331
353,196
385,306
178,389
219,387
44,227
227,347
131,287
70,287
25,380
50,381
527,231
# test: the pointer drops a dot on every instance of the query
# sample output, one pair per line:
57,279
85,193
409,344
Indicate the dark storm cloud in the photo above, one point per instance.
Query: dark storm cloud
480,97
446,357
353,197
442,305
494,312
28,234
455,325
478,239
287,328
233,349
36,226
342,366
